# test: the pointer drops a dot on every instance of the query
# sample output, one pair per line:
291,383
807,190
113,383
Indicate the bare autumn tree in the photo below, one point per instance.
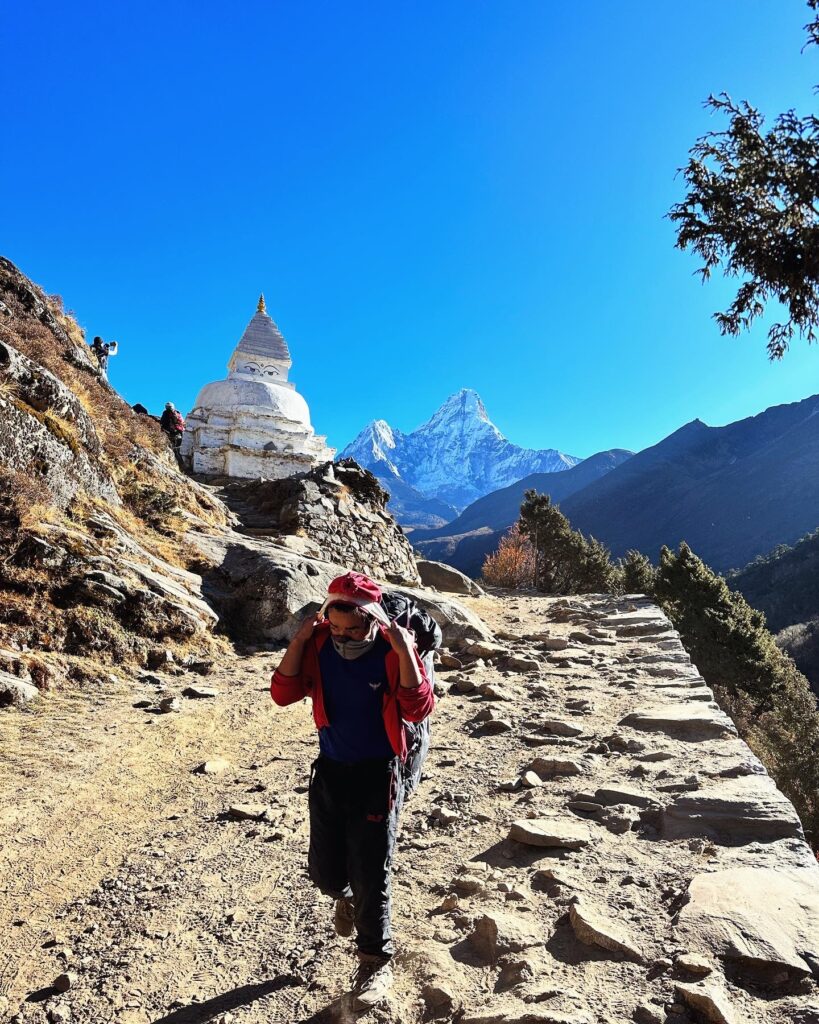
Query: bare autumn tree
752,210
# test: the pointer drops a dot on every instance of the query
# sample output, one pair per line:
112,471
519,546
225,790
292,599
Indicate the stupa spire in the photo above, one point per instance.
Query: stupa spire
261,308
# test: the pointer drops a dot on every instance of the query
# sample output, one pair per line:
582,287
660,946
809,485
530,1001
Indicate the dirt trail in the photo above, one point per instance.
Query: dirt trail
119,862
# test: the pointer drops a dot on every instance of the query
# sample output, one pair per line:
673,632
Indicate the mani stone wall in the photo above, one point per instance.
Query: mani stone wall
336,512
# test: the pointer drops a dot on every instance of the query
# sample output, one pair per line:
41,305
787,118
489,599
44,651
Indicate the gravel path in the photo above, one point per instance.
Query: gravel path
173,896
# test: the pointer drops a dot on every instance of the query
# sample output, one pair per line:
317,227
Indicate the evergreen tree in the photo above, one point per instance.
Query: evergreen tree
565,561
637,573
725,636
752,209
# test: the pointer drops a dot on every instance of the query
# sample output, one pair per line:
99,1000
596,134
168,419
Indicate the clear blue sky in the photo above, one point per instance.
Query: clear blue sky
432,195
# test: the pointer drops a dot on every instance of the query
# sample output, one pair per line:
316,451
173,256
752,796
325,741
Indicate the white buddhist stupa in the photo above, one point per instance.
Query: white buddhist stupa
254,423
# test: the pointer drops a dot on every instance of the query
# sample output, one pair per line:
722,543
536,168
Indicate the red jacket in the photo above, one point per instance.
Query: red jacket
399,702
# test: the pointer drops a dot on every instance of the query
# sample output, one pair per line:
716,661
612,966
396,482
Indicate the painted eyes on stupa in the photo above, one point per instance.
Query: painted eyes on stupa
262,371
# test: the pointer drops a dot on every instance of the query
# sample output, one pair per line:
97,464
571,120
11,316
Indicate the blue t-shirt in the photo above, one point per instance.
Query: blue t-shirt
353,694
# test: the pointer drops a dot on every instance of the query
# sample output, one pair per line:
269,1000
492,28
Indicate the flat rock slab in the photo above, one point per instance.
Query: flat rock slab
761,918
200,691
692,722
611,795
645,629
710,1002
550,767
626,619
491,691
247,812
559,728
735,812
595,929
494,727
556,833
498,933
485,649
517,664
551,643
449,661
508,1011
215,766
688,693
675,657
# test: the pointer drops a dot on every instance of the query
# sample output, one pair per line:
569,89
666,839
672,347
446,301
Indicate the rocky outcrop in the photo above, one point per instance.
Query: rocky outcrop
262,590
93,507
44,430
336,512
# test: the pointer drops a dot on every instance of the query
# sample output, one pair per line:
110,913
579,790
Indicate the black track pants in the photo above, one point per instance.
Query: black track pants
353,823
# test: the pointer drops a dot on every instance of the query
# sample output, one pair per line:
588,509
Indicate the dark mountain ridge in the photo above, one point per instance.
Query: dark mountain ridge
467,540
730,492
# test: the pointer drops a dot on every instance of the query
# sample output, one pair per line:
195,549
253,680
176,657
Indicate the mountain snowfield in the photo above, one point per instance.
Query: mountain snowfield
457,456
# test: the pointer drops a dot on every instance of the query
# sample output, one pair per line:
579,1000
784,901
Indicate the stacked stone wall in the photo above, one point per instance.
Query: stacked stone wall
339,510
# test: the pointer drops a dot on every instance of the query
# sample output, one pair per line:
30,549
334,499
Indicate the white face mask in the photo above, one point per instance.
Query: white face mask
352,649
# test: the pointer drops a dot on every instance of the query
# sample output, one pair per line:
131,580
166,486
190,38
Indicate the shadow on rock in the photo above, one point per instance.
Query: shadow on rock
497,856
565,946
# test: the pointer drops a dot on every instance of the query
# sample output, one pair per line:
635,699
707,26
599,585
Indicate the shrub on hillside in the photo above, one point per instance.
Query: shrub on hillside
565,560
513,564
801,642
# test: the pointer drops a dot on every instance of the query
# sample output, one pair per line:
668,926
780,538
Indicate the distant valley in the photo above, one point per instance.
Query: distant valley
733,492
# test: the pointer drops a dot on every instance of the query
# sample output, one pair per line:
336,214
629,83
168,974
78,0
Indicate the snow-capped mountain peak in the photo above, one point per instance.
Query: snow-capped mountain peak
456,456
462,411
374,447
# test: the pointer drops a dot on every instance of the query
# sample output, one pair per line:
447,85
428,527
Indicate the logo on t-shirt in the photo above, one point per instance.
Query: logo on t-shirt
374,686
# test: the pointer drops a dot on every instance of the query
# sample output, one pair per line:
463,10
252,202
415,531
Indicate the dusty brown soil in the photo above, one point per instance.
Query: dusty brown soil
119,863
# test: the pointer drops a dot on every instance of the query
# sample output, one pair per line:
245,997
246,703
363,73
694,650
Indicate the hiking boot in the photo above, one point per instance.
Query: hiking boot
344,918
373,980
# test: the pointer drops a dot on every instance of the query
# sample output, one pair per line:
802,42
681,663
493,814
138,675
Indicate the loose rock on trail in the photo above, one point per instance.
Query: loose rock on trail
597,859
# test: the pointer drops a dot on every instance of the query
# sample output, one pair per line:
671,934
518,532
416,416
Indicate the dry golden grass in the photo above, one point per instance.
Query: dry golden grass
39,607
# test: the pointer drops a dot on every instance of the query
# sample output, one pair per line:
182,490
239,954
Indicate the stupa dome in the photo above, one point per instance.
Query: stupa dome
255,396
253,423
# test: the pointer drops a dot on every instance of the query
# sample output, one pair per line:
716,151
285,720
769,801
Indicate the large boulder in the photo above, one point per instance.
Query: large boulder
14,690
446,578
457,622
263,591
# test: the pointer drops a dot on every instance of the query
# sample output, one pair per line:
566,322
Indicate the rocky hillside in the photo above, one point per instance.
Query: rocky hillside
113,558
457,456
591,845
93,511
